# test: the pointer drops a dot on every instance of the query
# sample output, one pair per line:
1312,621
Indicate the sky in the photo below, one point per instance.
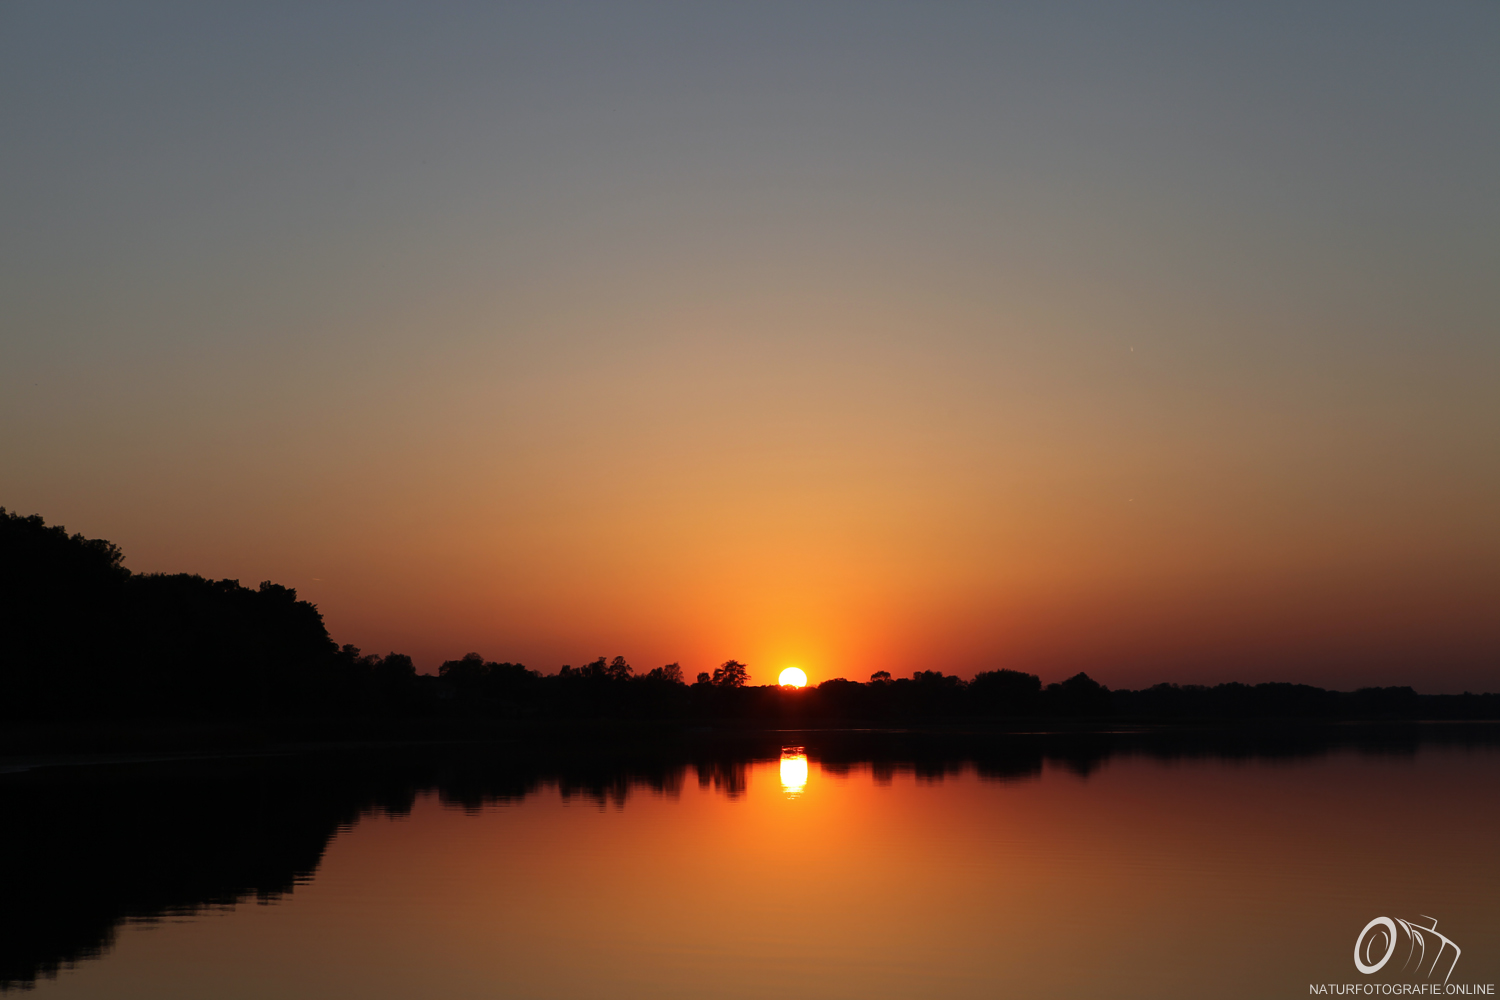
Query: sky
1160,341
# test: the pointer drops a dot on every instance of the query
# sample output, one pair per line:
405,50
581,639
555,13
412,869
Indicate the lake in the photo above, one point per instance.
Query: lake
819,865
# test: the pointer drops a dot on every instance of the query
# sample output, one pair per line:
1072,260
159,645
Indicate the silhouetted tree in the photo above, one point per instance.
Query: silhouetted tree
376,685
468,670
731,674
1005,692
62,603
669,674
83,637
1078,695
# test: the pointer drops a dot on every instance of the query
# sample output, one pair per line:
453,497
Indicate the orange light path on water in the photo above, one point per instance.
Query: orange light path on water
1140,881
793,771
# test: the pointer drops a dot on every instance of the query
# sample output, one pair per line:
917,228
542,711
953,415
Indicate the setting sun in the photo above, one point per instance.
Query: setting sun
792,677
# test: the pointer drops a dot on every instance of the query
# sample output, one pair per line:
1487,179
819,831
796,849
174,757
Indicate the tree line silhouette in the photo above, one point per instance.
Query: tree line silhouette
82,638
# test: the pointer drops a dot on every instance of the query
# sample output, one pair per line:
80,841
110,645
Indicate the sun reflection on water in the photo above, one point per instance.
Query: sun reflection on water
793,771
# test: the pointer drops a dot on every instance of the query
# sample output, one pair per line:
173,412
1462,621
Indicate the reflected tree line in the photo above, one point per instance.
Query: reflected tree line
85,850
84,639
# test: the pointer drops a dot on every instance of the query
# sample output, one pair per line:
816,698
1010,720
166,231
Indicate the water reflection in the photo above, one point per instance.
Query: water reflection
793,771
87,851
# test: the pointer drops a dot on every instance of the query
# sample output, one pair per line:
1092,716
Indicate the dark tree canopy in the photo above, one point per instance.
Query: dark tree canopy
83,638
669,674
731,674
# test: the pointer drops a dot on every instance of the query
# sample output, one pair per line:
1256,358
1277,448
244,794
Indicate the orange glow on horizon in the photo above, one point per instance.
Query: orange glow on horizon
1148,402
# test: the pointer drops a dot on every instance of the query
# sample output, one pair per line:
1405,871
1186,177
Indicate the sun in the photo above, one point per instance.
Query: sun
792,677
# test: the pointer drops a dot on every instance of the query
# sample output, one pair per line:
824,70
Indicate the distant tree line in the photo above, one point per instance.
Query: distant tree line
81,637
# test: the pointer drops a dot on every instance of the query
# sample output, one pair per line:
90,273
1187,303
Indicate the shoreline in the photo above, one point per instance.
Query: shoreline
34,748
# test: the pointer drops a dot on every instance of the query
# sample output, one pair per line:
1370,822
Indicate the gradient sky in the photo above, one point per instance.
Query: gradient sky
1158,341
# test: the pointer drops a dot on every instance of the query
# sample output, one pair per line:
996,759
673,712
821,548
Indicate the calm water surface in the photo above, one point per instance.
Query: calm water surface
793,874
